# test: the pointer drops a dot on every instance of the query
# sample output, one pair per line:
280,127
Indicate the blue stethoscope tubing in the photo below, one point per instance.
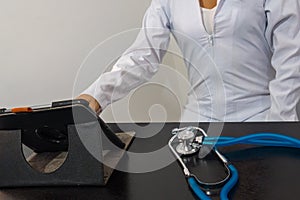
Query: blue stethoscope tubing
261,139
224,191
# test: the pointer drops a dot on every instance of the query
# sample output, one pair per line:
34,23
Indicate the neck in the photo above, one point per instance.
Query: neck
209,4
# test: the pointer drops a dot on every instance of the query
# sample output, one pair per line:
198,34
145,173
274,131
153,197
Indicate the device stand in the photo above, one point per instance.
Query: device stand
81,166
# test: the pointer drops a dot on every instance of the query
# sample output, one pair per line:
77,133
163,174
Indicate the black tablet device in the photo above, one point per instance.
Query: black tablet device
44,128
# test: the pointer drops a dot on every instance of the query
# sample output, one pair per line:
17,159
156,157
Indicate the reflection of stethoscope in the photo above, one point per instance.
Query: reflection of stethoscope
189,141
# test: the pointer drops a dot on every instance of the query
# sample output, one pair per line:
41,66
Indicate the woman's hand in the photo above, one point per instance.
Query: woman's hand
93,103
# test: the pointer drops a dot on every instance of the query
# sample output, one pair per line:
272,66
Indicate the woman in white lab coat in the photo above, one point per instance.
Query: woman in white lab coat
254,46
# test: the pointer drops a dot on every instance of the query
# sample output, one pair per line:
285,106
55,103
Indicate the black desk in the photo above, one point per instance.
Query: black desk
264,173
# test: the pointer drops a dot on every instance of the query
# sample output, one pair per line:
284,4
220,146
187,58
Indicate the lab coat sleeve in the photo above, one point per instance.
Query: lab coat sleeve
138,63
283,35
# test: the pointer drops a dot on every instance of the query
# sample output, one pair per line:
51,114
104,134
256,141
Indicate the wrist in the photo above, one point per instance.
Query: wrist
93,103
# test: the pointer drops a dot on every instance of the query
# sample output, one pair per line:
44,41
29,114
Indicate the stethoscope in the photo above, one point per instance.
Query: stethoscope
188,141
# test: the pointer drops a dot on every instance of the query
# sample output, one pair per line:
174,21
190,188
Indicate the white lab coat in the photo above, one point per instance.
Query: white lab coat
247,70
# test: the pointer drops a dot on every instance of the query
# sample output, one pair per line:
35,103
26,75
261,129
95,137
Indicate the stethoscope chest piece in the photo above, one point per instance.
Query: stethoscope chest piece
185,145
188,141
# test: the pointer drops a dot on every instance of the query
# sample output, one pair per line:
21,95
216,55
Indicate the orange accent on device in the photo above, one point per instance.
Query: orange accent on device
21,109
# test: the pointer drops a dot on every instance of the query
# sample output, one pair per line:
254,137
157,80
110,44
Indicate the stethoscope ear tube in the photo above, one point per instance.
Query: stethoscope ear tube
196,189
224,191
231,182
